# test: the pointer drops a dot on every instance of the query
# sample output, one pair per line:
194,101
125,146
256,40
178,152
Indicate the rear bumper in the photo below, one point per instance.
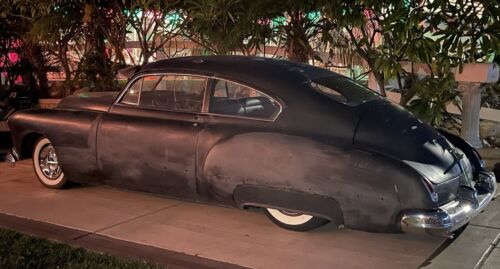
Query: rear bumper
12,157
455,214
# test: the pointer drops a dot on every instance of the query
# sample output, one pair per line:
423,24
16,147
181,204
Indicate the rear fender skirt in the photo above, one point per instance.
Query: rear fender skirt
316,205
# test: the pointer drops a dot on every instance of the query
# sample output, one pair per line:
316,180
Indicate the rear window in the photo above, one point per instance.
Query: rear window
344,90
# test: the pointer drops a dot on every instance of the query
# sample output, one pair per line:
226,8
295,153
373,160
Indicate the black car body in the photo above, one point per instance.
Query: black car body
252,131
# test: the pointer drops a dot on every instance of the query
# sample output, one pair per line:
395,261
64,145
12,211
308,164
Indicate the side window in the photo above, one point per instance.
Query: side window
169,92
154,93
173,92
131,97
329,91
188,92
343,90
233,99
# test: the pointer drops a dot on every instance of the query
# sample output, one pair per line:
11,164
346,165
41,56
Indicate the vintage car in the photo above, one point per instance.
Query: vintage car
306,145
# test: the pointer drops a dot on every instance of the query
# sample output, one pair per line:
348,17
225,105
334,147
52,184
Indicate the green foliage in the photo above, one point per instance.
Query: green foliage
441,34
228,26
96,74
156,23
434,93
223,26
382,33
491,96
21,251
467,31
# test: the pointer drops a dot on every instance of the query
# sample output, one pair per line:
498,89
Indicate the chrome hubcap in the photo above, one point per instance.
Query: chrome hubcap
48,162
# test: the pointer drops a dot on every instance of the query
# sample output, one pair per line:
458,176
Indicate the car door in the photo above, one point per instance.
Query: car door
148,139
240,140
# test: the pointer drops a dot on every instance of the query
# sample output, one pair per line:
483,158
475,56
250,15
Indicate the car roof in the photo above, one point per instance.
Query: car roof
259,72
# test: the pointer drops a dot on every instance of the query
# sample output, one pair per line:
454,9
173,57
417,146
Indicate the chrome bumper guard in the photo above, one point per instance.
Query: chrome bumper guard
455,214
12,157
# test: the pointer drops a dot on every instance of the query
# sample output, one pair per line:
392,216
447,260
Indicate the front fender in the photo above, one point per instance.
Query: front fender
73,134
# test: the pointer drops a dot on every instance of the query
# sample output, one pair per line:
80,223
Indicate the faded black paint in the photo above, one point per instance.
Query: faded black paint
361,158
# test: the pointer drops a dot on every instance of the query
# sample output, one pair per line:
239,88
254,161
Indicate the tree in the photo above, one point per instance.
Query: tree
467,31
114,18
383,33
55,27
225,26
32,62
303,24
156,24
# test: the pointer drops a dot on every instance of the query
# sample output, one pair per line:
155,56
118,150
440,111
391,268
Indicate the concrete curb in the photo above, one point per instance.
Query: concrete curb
117,247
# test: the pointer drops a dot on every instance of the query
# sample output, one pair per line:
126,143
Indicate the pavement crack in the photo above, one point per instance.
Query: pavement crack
487,252
485,226
125,221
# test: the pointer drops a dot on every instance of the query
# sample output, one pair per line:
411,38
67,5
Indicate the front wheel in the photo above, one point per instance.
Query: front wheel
46,165
294,221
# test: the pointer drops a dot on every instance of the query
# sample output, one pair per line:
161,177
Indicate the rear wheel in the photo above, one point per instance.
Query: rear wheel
294,221
46,165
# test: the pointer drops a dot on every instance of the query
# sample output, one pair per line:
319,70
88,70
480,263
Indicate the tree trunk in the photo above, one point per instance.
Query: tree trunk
95,51
63,58
41,68
119,55
297,54
407,96
145,57
380,81
297,42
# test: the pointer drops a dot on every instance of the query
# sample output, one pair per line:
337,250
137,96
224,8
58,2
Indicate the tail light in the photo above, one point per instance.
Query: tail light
432,193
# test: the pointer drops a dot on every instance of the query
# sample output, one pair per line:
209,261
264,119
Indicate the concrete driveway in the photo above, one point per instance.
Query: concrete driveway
245,238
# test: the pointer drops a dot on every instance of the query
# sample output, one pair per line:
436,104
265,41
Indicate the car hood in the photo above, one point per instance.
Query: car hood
98,101
389,129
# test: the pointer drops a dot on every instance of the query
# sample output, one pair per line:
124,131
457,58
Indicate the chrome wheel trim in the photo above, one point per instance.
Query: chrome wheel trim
47,160
289,218
44,179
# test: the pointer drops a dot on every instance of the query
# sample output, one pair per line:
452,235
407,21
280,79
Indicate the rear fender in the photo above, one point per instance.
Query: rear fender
467,149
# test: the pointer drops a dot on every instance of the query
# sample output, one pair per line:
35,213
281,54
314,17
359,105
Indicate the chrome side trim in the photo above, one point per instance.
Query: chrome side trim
453,215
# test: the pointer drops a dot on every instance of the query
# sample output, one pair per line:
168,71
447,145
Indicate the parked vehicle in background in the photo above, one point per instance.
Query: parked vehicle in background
17,97
306,145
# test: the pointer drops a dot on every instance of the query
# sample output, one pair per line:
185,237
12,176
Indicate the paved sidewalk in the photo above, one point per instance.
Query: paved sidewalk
477,246
490,155
244,238
117,247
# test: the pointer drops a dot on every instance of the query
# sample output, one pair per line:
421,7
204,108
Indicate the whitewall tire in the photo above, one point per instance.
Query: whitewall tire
46,165
294,221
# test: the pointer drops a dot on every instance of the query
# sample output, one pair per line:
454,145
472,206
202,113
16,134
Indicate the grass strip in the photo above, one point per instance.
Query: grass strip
27,252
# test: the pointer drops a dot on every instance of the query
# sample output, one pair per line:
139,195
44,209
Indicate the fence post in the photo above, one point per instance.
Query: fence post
471,106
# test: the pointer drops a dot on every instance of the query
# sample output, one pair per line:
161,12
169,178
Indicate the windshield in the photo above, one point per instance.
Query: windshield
344,90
